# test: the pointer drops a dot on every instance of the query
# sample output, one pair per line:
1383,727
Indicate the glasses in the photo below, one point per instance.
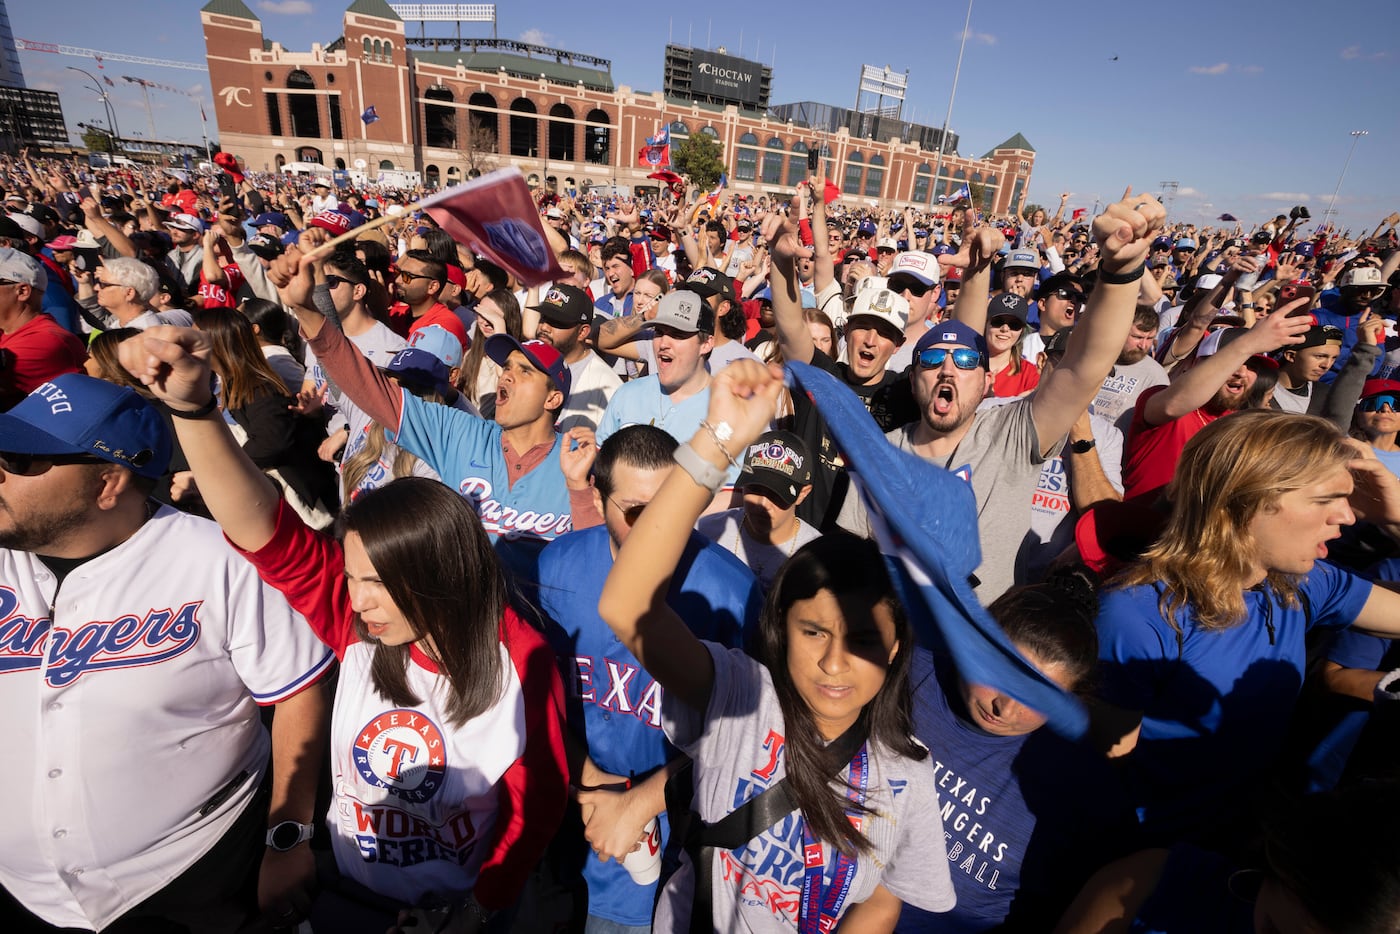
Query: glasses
886,250
913,286
1069,295
630,514
32,465
103,283
1376,403
406,277
1007,321
964,358
332,281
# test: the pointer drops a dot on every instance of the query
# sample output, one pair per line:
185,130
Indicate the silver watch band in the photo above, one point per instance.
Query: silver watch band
704,473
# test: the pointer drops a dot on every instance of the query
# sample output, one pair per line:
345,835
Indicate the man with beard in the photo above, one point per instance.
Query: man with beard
419,288
1000,451
1166,417
1134,372
564,316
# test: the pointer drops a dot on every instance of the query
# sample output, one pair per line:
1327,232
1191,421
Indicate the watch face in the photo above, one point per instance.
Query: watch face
286,835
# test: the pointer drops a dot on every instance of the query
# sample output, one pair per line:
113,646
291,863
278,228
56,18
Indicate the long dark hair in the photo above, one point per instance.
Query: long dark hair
842,564
1054,620
436,561
244,373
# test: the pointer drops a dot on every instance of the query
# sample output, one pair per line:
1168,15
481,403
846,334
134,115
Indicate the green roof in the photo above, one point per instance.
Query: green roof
374,8
235,8
675,101
1016,142
520,66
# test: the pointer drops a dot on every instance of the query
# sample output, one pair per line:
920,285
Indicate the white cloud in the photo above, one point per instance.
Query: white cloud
1219,69
536,37
1251,69
1351,52
286,7
1189,192
1295,196
1355,53
985,38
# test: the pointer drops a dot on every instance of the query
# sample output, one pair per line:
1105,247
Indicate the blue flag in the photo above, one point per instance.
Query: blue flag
963,192
925,521
369,116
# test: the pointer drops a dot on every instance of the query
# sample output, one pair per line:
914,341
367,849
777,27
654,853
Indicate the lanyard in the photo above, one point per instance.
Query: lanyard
822,920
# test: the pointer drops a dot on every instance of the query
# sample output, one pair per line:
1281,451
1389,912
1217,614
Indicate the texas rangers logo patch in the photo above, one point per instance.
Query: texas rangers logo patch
402,751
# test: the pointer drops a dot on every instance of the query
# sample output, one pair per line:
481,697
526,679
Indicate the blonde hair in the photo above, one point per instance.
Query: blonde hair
1234,469
357,466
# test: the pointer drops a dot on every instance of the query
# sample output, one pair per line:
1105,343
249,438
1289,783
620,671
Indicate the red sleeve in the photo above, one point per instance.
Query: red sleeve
39,351
444,318
642,258
804,228
308,568
584,510
534,790
357,377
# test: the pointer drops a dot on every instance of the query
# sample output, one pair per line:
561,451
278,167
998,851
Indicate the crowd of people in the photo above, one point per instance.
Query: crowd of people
361,586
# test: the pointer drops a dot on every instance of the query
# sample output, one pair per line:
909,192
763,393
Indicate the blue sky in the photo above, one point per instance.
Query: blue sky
1247,105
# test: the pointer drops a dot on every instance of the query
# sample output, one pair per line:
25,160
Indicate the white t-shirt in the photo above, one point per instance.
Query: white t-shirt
726,529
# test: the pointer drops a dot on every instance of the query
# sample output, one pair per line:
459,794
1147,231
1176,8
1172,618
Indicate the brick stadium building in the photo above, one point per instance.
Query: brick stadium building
451,113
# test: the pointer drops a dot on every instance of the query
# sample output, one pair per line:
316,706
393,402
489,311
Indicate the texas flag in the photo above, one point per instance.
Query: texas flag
369,116
925,522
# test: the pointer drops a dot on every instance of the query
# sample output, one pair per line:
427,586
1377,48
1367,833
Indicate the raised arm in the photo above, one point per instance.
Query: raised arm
784,246
979,250
742,400
823,264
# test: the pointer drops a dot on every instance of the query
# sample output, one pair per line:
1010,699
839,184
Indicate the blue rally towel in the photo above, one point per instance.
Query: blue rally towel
925,521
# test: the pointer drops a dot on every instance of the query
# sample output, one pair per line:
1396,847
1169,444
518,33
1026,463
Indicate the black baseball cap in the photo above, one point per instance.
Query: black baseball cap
565,306
707,281
780,464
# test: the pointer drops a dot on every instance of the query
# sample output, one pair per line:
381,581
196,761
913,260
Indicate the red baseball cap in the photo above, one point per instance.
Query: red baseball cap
543,357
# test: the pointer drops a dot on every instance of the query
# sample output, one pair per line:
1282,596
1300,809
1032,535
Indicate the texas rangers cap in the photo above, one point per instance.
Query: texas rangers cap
685,311
333,222
565,306
1022,259
271,219
419,369
780,463
708,280
952,332
542,357
186,222
921,266
439,342
76,414
1008,305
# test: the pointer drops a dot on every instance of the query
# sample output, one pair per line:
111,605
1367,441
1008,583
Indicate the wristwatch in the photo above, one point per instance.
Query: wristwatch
1082,447
288,834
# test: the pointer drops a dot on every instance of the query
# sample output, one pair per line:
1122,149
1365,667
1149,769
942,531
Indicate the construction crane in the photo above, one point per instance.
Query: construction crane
100,56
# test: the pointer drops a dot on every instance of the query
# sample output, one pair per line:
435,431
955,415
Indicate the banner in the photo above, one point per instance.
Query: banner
726,77
369,116
652,157
496,216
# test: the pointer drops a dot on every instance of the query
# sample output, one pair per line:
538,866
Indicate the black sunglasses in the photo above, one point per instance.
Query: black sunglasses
1069,295
913,286
630,514
32,465
333,280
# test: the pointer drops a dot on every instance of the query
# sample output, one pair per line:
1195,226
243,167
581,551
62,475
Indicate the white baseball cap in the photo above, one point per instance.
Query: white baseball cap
889,308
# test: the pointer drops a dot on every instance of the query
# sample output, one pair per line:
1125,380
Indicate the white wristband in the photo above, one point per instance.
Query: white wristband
704,473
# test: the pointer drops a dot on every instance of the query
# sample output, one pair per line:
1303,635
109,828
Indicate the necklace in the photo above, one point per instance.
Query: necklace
760,570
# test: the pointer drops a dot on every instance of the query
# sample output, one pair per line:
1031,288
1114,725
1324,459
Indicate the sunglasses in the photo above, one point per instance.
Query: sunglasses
405,276
964,358
913,286
630,514
1006,321
32,465
1374,403
332,281
1069,295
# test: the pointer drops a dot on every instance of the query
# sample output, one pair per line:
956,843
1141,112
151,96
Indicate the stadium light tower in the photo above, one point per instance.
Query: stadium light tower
1355,138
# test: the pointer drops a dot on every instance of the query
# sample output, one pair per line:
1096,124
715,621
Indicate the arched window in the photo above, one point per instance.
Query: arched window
340,164
309,154
561,133
923,179
302,107
485,130
454,175
746,160
388,51
386,165
524,129
280,161
431,175
369,53
797,163
710,132
378,50
773,162
440,123
679,129
597,138
875,176
851,183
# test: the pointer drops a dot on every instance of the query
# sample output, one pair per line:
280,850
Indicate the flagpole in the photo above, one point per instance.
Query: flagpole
204,129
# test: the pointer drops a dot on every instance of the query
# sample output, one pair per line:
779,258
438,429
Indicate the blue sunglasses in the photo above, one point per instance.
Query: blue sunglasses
964,358
1374,403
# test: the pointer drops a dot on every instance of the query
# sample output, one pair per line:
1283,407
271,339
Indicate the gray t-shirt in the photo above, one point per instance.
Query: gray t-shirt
1121,389
379,344
726,529
737,746
1000,456
1053,516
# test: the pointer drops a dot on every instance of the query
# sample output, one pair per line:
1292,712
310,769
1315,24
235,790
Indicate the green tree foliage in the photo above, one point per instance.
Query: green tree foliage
697,158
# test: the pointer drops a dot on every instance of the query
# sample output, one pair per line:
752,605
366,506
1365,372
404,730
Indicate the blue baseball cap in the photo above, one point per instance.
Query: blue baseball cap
439,342
271,219
866,229
1185,243
952,332
76,414
420,369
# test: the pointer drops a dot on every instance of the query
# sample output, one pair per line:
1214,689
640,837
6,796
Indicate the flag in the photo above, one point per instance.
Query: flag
671,180
662,138
202,118
925,522
963,192
496,216
98,59
369,116
1230,218
650,156
110,82
1077,213
830,192
713,196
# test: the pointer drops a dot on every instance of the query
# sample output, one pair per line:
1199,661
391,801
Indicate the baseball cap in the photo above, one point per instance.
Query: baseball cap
780,464
1061,280
952,332
866,229
265,246
660,232
1317,336
271,219
684,311
28,223
76,414
855,256
62,242
18,266
1216,341
1008,304
1376,387
554,214
921,266
565,306
419,368
542,357
707,280
888,244
1022,259
186,222
952,277
1306,248
1162,243
884,310
1362,277
1185,243
1208,281
439,342
321,184
333,222
1261,237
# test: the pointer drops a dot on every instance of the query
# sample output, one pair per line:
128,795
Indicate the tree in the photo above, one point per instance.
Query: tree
97,141
697,158
481,150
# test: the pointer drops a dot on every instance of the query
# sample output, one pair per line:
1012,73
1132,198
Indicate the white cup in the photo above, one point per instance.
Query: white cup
644,863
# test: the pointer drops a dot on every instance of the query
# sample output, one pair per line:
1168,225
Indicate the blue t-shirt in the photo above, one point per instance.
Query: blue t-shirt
611,701
1026,819
466,452
641,402
1193,894
1215,704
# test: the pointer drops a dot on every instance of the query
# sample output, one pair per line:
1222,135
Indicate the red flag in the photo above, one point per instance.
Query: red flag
671,180
1078,213
830,193
496,216
653,156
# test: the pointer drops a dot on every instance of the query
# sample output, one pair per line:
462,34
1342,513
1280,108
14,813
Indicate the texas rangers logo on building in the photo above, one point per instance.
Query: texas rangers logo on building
402,751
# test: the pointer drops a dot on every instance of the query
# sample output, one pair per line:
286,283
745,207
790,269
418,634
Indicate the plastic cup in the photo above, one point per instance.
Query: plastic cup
644,863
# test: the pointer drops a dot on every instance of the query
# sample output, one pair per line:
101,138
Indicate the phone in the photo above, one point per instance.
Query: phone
814,161
1293,291
226,187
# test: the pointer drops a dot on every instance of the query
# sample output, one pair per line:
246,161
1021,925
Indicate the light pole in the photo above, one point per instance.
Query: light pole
943,134
114,133
1355,138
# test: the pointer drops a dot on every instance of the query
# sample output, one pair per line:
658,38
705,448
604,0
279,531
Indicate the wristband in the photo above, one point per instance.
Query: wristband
719,434
1122,278
203,411
704,473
